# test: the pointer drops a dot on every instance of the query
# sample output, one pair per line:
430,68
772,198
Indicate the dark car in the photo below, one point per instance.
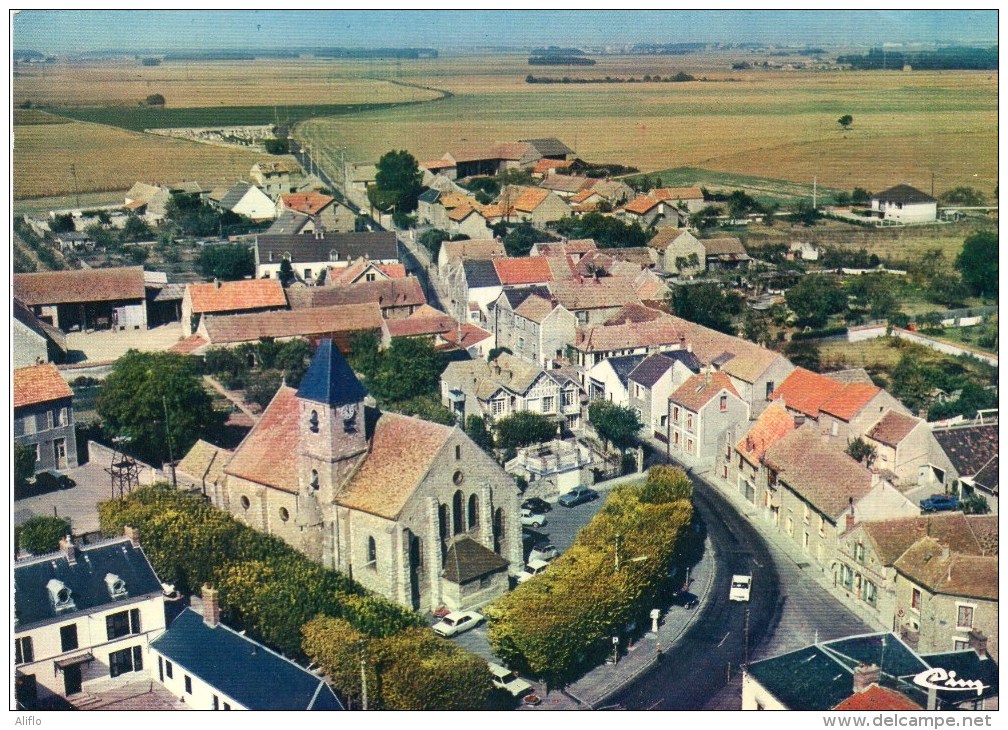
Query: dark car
939,503
536,505
686,600
46,481
578,495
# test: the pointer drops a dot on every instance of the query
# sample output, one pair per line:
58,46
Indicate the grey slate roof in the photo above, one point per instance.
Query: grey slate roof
624,365
466,560
686,357
378,245
479,273
516,296
242,668
85,579
234,194
288,223
903,194
550,147
329,378
969,448
654,366
26,317
430,195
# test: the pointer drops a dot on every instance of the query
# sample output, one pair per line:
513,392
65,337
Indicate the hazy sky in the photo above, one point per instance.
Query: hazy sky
67,32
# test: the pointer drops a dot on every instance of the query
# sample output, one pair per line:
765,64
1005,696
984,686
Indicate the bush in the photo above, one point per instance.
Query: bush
40,535
560,622
524,428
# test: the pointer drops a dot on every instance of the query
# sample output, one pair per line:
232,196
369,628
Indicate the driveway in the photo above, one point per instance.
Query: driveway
107,345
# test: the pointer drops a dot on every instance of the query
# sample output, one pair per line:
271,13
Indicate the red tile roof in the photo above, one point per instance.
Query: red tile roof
460,213
308,203
470,335
39,384
877,698
806,392
529,199
80,285
405,292
441,164
546,164
393,271
849,402
268,454
641,204
234,296
584,195
516,271
234,328
676,194
402,450
773,424
892,428
188,345
696,391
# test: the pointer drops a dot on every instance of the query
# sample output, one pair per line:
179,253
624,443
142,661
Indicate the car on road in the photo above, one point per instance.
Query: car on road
939,503
578,495
539,506
532,569
507,680
531,519
456,622
686,599
740,587
545,551
47,481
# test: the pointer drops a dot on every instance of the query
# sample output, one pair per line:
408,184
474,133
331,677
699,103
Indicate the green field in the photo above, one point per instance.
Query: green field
763,189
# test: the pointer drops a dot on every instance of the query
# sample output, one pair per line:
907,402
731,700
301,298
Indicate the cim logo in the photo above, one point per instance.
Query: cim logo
938,678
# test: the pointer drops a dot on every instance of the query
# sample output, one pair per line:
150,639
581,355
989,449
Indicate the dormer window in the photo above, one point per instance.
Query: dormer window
333,255
313,422
314,479
60,595
116,585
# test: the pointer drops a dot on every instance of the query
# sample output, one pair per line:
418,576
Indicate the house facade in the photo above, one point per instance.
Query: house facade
85,299
700,411
32,340
84,618
679,252
904,204
651,383
408,508
310,256
44,417
531,326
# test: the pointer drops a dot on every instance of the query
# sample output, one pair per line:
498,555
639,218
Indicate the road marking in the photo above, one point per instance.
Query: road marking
758,563
725,638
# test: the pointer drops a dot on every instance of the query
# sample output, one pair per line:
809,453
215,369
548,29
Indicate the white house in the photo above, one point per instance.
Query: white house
700,411
653,381
905,204
83,619
246,199
608,379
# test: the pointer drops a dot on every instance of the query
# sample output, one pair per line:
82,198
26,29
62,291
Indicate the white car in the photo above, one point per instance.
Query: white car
530,519
507,680
534,568
740,587
544,551
456,622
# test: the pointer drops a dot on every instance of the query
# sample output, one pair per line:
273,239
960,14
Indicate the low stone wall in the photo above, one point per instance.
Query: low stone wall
102,455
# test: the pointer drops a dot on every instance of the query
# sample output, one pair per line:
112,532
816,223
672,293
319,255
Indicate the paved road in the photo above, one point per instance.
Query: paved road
787,610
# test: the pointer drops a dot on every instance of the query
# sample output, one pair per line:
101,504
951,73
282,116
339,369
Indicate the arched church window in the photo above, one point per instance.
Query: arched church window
473,511
313,422
458,513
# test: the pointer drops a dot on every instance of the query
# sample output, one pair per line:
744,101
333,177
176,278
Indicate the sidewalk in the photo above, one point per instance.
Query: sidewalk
591,691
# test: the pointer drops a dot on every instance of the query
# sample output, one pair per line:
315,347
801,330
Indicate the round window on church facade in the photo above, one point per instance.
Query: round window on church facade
458,477
245,502
284,514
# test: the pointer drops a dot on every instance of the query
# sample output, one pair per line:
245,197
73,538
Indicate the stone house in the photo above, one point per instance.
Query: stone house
699,412
593,300
84,618
566,186
396,298
247,200
311,256
324,210
472,285
410,509
467,221
634,329
229,297
855,409
149,201
533,205
740,457
276,177
725,254
44,417
651,383
609,379
966,451
33,341
452,252
679,252
531,325
903,444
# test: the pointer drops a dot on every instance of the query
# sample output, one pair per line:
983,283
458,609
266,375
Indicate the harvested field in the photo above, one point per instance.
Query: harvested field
106,158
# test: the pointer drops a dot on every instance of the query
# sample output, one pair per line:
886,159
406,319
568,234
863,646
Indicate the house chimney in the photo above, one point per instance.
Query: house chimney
69,549
211,606
133,534
865,675
850,521
216,283
799,420
945,554
978,642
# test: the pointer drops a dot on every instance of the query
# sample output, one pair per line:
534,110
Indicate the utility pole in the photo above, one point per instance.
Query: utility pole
363,678
73,172
171,456
815,190
745,654
618,539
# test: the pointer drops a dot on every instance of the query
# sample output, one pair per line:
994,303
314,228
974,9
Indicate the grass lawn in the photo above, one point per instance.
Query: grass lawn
881,355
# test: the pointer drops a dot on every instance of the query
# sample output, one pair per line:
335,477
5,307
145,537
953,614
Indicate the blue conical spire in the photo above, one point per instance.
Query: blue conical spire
329,378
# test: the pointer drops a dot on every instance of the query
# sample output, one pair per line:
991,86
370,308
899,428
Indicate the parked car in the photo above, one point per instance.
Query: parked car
939,503
507,680
685,599
578,495
47,481
740,587
456,622
531,519
534,568
539,506
545,551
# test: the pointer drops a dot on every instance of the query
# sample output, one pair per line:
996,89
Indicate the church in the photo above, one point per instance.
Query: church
410,509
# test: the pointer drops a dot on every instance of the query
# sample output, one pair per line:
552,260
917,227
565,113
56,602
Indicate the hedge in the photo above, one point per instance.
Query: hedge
561,622
820,334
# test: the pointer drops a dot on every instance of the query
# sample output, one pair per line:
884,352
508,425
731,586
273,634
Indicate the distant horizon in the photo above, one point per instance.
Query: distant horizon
73,32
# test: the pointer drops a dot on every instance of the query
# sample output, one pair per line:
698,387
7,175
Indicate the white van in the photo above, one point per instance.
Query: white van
740,587
507,680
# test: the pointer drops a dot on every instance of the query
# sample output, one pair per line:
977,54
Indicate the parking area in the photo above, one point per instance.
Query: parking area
562,525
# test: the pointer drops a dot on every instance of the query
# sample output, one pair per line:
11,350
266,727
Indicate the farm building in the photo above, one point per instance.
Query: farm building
905,204
229,297
276,177
86,299
322,209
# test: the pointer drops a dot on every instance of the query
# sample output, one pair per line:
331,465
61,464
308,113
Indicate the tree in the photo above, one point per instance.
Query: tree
432,239
814,298
145,386
607,231
524,428
617,425
962,196
862,451
519,240
286,274
805,213
227,262
262,385
845,121
804,354
978,263
410,367
706,304
63,223
136,229
912,382
277,146
155,100
705,217
860,196
974,504
39,535
397,182
24,464
475,428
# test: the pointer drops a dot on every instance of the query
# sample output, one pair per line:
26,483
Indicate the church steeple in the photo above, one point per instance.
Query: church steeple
332,428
